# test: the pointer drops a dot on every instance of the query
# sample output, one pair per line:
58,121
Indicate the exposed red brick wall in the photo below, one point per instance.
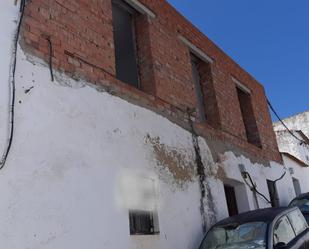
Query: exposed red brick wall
81,32
144,51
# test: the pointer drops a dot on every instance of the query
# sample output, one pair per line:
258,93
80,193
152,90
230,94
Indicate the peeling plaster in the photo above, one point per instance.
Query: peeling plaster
178,161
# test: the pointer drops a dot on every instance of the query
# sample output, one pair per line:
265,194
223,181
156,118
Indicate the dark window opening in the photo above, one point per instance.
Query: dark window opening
209,94
206,100
296,185
231,200
125,43
248,117
141,222
196,74
273,194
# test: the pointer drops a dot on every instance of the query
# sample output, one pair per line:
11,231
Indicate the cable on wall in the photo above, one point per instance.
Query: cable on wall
50,45
253,186
285,126
281,177
13,88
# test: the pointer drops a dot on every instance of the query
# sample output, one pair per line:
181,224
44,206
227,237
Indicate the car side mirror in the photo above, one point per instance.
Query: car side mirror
280,245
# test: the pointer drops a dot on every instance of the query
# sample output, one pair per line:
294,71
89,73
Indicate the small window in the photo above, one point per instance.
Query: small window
197,74
273,194
298,221
142,222
125,43
248,117
283,231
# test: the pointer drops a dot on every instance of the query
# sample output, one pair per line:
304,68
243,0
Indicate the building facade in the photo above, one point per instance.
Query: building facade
295,149
297,122
131,129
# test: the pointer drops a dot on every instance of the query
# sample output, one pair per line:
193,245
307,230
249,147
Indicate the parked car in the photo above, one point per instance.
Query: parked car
302,202
271,228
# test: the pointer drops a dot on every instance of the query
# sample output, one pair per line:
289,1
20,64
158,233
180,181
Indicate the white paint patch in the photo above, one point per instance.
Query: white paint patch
137,191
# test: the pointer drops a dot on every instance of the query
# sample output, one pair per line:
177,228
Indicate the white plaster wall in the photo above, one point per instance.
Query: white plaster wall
300,173
289,144
245,197
259,173
70,150
297,122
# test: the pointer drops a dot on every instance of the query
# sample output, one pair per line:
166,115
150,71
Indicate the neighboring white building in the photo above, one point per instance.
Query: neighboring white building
290,145
295,149
83,160
299,122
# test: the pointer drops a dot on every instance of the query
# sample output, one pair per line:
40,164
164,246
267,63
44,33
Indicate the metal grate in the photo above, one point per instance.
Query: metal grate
141,222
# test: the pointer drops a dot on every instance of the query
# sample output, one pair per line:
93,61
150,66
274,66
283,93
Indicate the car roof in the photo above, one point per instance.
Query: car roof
302,196
266,215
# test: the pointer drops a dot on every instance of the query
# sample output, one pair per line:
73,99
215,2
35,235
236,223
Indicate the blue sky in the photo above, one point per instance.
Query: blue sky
268,38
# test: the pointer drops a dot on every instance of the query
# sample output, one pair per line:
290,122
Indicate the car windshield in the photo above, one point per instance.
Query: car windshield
245,236
303,204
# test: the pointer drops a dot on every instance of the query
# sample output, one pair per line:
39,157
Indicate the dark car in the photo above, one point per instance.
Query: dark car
284,228
302,202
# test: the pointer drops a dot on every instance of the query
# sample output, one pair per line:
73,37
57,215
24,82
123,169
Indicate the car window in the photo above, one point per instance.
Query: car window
298,221
283,231
235,236
303,204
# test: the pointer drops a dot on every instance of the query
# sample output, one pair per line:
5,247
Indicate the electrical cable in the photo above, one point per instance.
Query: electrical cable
50,58
281,177
281,121
253,186
22,6
13,88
